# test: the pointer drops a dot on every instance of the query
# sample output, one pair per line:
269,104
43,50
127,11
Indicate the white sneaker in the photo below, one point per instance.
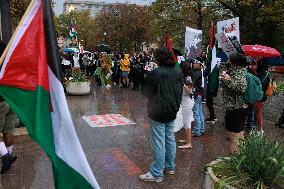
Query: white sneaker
149,177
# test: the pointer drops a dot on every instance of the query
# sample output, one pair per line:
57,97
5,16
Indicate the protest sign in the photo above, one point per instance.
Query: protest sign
193,40
236,44
225,43
230,27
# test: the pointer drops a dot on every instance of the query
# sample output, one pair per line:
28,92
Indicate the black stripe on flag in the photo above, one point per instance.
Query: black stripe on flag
52,52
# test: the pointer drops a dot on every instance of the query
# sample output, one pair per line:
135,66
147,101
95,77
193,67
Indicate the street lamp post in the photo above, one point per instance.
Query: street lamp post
105,34
5,21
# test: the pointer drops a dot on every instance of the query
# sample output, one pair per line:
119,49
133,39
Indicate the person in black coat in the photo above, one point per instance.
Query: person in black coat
163,88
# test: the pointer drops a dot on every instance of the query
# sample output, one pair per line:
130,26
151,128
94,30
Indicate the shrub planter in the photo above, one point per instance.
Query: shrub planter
78,88
211,179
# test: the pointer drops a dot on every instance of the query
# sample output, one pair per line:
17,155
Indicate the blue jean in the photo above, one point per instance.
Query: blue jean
164,147
199,126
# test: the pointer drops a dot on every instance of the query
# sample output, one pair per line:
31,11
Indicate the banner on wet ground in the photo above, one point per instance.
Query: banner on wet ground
108,120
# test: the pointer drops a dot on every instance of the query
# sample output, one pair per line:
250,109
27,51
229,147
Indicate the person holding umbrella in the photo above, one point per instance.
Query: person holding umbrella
259,52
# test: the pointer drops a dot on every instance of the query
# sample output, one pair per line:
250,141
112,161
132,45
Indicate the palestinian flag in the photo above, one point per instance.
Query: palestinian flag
30,82
214,62
169,46
213,80
73,31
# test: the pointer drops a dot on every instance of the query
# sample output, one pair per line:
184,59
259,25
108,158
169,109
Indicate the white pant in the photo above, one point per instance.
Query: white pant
187,104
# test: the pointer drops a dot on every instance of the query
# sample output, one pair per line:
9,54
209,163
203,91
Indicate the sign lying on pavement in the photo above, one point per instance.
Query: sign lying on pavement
108,120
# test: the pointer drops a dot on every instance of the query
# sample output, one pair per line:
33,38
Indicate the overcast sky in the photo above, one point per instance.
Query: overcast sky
58,8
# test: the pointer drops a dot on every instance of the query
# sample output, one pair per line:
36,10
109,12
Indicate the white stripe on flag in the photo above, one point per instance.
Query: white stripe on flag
214,59
67,145
21,30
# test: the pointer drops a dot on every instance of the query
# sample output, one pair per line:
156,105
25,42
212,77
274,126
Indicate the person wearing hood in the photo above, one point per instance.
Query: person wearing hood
125,68
163,87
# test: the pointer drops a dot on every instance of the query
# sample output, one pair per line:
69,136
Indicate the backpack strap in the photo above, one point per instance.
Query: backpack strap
267,74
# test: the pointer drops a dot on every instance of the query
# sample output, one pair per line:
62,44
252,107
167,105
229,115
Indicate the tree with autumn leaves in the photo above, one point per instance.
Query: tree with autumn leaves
85,24
17,10
124,27
261,21
172,16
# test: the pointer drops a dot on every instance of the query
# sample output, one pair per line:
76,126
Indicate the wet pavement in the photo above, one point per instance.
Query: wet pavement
118,155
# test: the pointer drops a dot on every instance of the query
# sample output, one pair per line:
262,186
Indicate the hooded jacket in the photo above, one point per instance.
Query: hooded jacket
125,63
163,87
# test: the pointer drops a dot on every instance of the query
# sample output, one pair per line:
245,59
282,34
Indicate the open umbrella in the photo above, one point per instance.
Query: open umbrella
71,49
103,48
260,51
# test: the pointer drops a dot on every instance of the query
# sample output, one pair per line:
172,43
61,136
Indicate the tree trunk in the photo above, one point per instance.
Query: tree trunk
200,17
243,29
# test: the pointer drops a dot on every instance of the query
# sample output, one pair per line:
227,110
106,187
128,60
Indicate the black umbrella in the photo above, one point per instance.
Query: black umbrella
103,48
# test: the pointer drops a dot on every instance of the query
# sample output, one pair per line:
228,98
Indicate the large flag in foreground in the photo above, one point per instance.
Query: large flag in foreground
30,84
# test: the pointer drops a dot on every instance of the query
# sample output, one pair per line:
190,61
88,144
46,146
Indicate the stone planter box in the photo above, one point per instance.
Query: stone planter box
78,88
211,180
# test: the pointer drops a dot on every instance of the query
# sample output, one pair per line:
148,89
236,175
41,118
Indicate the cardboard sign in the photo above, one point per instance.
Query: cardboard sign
108,120
230,27
236,44
193,39
225,43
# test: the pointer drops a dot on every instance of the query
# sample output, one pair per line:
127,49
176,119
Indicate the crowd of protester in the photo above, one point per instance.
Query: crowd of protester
121,69
169,89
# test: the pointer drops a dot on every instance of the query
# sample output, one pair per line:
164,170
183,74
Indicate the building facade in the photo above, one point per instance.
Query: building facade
93,6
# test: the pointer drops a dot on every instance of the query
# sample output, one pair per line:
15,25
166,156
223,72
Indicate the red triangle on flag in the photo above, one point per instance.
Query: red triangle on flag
169,46
25,65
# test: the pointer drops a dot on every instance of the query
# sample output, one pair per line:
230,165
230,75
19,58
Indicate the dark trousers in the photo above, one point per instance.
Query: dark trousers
209,103
251,116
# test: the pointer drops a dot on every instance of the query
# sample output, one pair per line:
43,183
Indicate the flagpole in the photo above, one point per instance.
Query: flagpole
51,40
17,29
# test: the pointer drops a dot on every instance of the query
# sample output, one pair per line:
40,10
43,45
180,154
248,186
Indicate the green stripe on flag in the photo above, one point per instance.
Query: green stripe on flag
66,177
213,80
33,109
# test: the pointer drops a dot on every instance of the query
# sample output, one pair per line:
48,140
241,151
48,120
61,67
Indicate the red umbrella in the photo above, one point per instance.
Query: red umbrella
260,51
